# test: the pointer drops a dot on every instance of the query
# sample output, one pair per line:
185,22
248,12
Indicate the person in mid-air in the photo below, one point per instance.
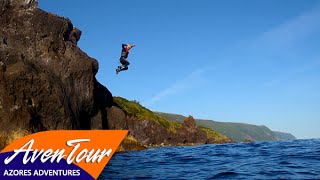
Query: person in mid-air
123,59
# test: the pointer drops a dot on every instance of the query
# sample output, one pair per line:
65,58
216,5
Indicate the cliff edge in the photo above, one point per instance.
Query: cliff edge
48,83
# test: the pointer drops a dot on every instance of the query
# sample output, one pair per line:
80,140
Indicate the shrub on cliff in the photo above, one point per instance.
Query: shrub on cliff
136,111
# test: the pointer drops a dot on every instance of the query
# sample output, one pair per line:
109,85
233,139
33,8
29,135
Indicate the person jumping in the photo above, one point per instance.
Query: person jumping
123,59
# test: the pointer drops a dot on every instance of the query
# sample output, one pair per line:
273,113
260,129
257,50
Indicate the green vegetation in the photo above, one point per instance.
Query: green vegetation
284,136
215,135
238,132
220,131
173,117
130,143
135,110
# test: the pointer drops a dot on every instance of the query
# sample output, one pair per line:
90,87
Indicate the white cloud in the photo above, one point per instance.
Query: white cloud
293,30
195,79
287,35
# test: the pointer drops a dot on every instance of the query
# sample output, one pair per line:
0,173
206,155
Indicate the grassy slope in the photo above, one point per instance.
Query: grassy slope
235,131
217,136
173,117
284,136
239,131
134,109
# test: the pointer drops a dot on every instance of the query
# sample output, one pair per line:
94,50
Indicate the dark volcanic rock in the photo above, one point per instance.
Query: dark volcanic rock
189,124
190,133
116,118
110,115
74,35
103,101
46,81
148,132
109,118
19,3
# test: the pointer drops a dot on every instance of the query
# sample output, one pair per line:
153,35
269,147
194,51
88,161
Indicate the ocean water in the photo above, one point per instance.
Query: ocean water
296,159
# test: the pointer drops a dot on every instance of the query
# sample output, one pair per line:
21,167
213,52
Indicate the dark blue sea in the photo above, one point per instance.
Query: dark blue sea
296,159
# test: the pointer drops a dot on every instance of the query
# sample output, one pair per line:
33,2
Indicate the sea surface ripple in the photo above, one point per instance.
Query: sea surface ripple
295,159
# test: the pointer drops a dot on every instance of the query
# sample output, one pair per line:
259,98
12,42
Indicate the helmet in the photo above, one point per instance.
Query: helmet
128,46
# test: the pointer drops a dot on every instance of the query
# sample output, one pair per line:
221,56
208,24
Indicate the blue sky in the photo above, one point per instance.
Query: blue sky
238,61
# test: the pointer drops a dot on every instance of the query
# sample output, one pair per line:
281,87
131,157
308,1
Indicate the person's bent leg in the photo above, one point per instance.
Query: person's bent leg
124,68
124,62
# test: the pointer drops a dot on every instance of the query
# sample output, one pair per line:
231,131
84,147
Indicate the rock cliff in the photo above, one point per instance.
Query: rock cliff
238,132
149,129
48,83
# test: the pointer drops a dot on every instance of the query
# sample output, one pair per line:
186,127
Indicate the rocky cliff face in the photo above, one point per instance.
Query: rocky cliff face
148,129
149,133
48,83
238,132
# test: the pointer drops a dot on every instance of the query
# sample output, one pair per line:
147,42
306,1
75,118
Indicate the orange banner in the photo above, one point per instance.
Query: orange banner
91,150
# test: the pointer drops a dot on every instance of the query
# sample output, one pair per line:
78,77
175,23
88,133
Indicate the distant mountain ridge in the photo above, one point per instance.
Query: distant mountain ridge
238,132
284,136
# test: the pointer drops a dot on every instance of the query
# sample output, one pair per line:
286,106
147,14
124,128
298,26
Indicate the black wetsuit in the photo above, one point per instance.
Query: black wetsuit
124,56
